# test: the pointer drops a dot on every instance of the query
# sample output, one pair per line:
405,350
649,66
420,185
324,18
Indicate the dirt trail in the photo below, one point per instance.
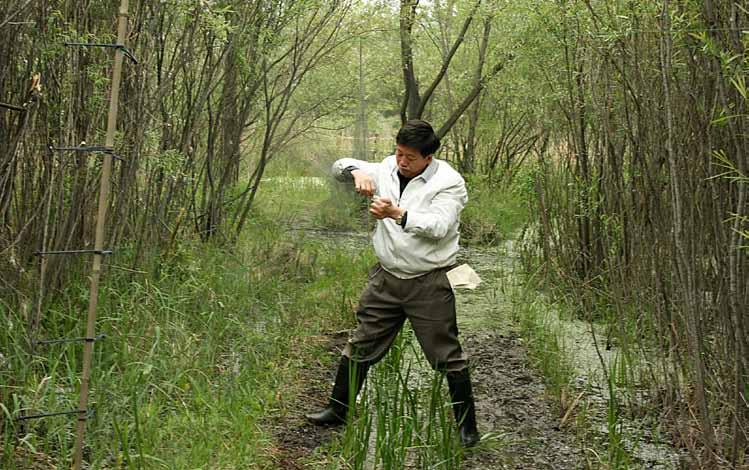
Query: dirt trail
511,399
514,412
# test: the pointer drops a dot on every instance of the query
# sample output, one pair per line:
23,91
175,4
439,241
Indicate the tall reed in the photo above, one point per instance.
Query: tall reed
406,415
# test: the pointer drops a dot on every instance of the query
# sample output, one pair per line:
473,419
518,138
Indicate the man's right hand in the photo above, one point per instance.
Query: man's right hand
364,184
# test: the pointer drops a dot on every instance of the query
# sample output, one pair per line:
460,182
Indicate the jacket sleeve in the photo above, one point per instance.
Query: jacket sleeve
443,212
340,165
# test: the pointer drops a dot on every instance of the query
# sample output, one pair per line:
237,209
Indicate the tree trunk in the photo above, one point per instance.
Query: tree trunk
682,244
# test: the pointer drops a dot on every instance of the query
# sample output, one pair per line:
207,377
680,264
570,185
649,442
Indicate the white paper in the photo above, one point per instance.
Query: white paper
463,277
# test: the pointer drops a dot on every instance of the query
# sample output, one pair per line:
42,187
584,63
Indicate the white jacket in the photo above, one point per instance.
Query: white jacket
433,199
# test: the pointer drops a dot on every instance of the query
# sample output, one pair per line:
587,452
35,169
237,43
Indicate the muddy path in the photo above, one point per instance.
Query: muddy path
511,399
520,423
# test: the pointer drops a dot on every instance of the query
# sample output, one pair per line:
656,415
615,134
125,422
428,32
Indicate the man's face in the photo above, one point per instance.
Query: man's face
410,160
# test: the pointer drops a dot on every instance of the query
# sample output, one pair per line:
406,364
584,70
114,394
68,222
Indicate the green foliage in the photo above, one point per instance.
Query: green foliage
544,340
494,212
405,413
197,321
209,324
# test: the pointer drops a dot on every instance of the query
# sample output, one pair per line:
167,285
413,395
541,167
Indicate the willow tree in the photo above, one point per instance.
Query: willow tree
415,101
641,202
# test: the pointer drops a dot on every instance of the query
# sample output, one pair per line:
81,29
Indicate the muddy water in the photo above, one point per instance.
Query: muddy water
512,404
487,313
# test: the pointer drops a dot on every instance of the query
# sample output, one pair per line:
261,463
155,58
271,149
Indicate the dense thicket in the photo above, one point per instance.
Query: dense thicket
219,90
642,196
215,92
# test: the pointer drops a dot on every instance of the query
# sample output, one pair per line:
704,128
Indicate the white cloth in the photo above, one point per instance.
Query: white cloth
463,277
433,199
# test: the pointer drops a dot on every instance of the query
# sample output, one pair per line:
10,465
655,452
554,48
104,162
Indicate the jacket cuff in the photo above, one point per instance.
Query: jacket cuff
346,173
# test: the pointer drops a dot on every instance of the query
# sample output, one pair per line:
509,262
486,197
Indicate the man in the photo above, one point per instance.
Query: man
417,200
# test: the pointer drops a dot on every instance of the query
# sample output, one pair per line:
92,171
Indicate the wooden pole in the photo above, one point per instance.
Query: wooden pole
104,187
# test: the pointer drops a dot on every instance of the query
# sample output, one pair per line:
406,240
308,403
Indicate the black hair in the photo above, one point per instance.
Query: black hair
419,135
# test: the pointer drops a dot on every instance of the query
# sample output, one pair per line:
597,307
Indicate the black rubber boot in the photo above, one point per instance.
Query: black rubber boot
461,394
348,382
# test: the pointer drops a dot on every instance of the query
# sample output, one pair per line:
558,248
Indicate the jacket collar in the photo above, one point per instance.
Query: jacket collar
426,175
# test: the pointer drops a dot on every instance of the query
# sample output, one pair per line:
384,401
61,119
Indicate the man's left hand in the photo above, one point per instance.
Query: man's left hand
383,207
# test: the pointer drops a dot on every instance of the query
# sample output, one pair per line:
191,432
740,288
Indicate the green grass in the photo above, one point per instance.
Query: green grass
205,345
494,213
544,341
198,348
403,418
317,202
540,322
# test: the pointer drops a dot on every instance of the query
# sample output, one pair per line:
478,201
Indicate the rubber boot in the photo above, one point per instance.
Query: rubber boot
461,394
347,385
